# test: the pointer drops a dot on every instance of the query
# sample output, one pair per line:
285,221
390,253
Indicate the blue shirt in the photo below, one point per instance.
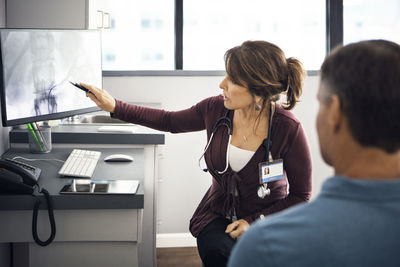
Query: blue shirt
353,222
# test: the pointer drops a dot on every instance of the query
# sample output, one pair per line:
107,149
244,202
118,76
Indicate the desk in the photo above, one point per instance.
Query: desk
88,137
92,230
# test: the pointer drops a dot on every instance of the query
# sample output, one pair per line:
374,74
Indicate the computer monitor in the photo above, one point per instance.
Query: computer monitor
37,67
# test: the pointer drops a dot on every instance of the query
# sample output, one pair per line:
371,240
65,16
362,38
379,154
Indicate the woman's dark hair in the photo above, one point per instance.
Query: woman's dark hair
366,78
263,68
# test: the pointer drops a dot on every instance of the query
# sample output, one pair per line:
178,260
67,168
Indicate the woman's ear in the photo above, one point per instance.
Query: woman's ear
257,102
260,100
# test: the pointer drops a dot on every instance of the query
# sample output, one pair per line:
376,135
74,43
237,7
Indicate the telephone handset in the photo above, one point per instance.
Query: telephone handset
15,179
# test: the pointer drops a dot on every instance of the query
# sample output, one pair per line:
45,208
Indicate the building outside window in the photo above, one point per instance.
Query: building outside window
371,19
141,36
212,27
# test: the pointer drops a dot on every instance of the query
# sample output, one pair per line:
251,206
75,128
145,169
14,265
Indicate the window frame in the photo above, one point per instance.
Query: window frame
334,37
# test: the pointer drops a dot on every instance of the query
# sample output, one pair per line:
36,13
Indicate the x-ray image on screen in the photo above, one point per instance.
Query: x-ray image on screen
38,66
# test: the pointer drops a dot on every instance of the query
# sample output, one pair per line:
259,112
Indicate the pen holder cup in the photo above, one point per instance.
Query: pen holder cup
40,140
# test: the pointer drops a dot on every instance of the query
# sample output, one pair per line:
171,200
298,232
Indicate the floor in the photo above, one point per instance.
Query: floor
182,257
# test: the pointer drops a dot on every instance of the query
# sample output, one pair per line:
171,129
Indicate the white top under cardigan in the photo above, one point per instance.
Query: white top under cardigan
238,158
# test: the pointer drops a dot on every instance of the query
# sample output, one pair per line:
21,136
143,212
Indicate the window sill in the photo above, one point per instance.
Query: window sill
138,73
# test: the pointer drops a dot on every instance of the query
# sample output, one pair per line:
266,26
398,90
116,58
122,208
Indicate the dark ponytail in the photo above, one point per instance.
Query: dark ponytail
295,79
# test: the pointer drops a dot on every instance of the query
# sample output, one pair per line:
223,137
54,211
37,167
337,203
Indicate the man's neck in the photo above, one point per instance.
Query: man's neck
362,162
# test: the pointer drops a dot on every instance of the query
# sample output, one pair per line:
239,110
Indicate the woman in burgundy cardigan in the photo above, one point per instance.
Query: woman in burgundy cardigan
257,73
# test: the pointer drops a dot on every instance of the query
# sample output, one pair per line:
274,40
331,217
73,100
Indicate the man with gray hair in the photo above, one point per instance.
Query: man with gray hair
355,220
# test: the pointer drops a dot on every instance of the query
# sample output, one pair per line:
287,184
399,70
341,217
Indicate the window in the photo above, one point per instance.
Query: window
212,27
370,19
141,36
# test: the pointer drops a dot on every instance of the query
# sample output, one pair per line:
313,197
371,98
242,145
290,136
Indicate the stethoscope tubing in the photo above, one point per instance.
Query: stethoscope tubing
229,126
217,124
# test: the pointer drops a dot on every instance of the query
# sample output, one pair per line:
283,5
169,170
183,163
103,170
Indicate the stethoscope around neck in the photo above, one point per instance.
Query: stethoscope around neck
227,122
223,121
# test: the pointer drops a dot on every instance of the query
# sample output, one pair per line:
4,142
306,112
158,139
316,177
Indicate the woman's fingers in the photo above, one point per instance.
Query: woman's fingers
235,234
101,97
92,89
237,228
231,227
93,98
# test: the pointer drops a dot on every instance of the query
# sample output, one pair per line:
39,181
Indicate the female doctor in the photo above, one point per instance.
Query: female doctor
247,131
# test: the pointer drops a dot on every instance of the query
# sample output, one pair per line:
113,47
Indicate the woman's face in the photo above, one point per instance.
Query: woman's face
235,96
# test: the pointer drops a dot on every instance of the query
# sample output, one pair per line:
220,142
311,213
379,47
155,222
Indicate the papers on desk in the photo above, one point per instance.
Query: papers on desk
79,186
117,129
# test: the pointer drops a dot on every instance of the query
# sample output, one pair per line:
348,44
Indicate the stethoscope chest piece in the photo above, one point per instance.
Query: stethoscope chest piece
263,191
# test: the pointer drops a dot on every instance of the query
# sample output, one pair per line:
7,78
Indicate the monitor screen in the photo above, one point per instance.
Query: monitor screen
37,67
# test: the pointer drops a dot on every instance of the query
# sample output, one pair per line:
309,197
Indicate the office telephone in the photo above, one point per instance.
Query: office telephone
20,178
17,177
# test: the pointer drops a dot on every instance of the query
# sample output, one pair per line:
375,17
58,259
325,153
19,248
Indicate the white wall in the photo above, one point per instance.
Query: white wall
182,184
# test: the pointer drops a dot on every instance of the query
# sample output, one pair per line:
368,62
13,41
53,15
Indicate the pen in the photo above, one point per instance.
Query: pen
40,135
34,136
79,86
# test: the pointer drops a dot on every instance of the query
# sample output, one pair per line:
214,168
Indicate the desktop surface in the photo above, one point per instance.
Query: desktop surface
70,134
53,182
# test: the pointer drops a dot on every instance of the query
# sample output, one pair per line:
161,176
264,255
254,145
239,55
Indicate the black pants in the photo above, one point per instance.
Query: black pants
214,244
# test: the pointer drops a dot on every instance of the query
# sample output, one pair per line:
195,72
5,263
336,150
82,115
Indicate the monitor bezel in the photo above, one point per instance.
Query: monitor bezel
45,117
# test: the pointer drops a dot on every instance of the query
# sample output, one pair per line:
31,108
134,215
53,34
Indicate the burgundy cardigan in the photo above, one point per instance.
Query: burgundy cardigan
288,143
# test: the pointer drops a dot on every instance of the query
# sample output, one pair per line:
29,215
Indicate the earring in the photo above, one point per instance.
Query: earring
258,107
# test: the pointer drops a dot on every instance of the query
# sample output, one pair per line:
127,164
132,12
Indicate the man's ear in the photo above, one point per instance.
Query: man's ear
335,114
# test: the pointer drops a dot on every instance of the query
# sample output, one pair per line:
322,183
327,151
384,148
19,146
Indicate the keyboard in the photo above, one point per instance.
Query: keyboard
80,163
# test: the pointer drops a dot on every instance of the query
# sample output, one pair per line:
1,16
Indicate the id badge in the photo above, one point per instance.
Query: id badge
270,171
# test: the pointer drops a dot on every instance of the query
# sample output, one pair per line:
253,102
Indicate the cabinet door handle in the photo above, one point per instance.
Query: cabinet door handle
108,20
101,14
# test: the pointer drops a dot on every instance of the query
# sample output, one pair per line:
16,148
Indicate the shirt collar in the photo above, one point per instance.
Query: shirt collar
361,188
